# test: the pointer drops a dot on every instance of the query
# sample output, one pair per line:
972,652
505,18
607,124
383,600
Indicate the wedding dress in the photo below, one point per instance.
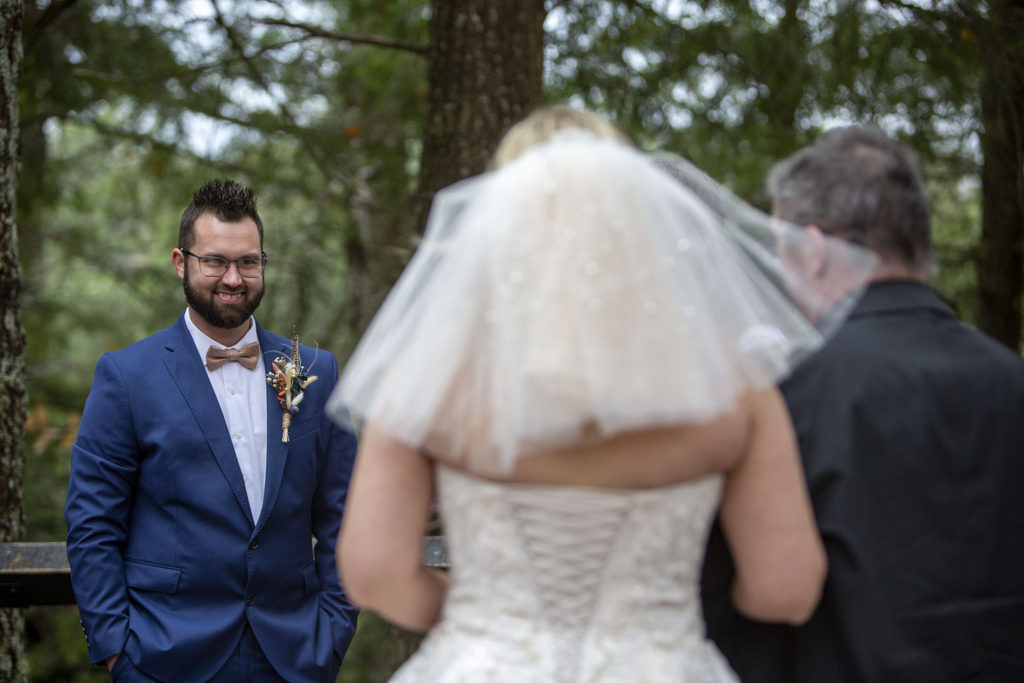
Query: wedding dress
556,584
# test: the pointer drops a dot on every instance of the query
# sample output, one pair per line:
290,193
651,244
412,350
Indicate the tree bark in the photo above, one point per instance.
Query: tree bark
484,73
13,664
1001,267
485,64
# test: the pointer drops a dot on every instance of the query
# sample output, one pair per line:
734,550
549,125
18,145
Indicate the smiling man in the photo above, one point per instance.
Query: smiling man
201,520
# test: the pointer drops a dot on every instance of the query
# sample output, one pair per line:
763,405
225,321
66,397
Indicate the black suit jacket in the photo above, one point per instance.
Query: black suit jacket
911,430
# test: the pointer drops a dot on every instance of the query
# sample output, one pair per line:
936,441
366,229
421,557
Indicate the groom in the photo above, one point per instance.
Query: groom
911,431
191,520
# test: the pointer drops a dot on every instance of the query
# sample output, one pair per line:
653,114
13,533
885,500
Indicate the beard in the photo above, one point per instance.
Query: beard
218,314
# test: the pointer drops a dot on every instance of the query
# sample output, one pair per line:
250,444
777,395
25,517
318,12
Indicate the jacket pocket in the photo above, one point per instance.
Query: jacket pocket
310,579
308,425
151,577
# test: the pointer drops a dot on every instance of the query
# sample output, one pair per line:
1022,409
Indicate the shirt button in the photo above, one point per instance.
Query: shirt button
238,435
232,392
249,600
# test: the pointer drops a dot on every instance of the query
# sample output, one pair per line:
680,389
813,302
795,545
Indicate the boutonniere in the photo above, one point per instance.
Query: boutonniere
290,378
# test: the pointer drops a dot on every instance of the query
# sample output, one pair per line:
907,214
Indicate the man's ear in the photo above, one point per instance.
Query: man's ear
803,250
814,251
178,259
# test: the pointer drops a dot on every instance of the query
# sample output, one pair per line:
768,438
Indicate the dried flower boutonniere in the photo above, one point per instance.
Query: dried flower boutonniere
290,378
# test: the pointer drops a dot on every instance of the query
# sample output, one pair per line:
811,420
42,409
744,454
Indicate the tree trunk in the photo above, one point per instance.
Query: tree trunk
486,59
484,73
1001,268
12,335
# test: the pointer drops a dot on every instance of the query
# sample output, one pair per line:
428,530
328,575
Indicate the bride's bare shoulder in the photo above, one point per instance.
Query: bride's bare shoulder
648,458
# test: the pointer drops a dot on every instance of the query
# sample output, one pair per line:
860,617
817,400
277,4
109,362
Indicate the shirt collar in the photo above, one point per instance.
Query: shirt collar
203,342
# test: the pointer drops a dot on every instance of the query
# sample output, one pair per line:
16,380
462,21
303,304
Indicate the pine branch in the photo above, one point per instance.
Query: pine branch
183,73
315,151
359,38
49,15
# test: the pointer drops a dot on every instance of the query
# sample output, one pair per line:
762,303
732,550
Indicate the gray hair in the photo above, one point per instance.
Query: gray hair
858,184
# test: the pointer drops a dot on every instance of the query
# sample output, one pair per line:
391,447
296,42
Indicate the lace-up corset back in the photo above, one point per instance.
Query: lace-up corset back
554,583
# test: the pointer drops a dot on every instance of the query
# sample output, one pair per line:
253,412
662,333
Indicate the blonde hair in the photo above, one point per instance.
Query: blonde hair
542,124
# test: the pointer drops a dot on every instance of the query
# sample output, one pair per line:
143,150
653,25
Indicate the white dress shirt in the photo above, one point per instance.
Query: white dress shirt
242,395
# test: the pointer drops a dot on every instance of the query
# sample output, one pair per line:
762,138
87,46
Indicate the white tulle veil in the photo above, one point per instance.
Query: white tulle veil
583,290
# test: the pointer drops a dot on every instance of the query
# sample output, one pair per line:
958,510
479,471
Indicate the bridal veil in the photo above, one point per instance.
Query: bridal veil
586,289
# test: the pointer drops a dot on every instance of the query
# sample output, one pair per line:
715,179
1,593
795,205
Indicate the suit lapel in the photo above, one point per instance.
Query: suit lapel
189,374
272,346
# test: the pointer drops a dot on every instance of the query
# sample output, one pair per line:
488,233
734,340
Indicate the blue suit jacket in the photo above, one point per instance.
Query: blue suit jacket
166,561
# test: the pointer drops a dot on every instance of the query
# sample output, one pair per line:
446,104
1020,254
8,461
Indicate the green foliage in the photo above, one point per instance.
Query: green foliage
734,85
956,215
56,648
321,128
377,651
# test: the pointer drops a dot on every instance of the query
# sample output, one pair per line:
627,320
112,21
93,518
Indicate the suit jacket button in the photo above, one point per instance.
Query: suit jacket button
249,600
255,544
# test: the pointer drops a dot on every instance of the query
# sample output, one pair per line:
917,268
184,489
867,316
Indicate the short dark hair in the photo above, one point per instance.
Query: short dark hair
857,183
225,199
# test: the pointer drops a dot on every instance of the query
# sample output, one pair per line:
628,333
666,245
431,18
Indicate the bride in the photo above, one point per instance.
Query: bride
579,364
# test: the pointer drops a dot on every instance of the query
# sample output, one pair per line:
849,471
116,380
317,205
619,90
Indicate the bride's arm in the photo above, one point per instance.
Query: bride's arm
768,522
381,541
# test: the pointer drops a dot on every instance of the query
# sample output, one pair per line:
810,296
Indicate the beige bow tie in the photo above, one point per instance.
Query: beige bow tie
248,356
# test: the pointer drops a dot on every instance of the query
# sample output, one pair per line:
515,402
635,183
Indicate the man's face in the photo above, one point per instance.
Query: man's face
225,301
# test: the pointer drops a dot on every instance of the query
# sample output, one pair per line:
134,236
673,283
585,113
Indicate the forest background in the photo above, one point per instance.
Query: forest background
347,115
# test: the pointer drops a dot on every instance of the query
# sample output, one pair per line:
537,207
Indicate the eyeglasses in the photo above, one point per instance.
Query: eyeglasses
215,266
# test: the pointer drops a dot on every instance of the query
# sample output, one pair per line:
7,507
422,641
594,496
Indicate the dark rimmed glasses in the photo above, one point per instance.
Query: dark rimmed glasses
215,266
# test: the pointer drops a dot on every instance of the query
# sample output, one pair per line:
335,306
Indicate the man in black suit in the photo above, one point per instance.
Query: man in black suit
911,429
